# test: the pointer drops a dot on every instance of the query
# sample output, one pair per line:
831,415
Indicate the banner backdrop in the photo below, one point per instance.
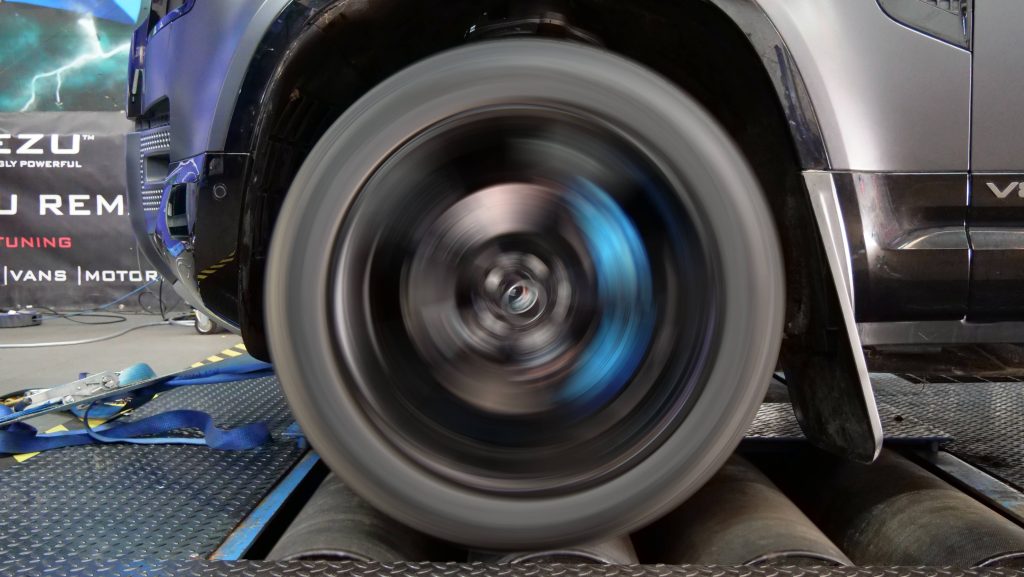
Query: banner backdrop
65,237
67,55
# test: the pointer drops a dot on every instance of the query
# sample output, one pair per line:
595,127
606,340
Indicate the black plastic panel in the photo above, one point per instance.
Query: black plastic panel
218,206
908,244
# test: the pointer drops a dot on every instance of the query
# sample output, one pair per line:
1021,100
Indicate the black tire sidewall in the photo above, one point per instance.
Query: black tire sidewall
718,183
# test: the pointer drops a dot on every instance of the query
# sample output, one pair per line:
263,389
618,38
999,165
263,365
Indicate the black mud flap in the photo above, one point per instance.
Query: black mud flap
825,368
830,404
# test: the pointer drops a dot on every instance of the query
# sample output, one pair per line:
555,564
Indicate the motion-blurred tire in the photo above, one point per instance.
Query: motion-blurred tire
525,294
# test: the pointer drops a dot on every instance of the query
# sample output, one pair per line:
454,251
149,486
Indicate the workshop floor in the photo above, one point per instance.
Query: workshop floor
166,348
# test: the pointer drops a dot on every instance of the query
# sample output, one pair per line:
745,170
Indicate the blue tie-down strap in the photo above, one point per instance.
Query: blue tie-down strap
235,369
22,438
227,371
237,439
295,432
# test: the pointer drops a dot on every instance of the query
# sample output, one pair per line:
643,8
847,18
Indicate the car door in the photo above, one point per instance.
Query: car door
996,215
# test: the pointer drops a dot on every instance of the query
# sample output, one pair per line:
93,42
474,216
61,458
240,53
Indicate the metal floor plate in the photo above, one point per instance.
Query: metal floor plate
776,421
985,419
130,503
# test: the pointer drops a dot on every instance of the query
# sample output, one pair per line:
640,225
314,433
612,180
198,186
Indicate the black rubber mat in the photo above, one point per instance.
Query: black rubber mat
360,569
985,419
129,503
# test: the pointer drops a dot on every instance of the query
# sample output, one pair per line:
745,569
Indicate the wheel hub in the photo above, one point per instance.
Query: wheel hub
512,300
501,298
521,298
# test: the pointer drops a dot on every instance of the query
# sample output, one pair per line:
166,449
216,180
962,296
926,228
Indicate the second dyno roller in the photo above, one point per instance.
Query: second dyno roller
739,518
896,513
336,524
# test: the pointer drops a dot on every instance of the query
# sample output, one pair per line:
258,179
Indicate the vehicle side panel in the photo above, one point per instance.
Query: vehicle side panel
888,98
198,63
998,86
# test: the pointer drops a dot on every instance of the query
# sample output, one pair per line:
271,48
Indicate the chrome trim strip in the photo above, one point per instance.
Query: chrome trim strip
940,238
940,333
997,238
825,199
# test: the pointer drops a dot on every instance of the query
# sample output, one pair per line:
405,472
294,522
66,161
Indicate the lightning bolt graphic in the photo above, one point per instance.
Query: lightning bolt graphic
95,53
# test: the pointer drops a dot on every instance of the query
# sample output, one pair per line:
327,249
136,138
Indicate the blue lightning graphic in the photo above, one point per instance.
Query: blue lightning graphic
94,54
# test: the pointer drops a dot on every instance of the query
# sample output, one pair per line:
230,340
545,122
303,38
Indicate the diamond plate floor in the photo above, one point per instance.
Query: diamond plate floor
776,422
984,419
360,569
128,503
118,508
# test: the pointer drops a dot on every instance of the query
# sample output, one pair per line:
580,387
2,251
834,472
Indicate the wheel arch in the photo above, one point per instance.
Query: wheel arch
743,73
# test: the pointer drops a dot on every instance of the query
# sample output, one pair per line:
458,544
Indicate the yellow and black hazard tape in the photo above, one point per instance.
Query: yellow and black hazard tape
216,267
22,457
235,351
69,425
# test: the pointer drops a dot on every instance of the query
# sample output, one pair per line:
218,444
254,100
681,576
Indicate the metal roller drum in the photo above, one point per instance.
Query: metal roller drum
894,512
618,551
739,518
338,525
